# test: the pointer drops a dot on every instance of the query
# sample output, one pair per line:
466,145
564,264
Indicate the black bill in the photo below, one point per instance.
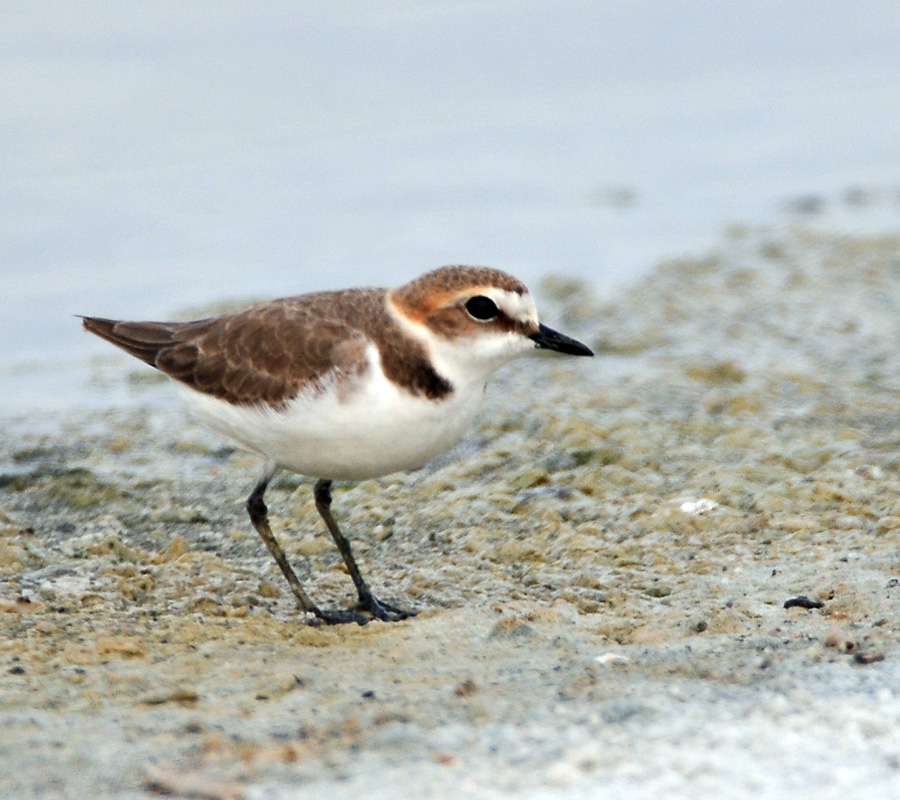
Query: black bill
548,339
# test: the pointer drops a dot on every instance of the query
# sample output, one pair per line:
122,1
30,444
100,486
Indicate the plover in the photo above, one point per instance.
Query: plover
345,385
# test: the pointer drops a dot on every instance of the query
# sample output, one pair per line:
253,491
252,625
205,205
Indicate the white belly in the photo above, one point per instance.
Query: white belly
376,430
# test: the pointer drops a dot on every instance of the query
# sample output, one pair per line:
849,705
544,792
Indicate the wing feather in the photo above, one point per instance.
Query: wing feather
268,352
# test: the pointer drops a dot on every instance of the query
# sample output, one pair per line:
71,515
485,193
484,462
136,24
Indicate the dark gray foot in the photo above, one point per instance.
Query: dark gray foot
379,609
339,616
365,612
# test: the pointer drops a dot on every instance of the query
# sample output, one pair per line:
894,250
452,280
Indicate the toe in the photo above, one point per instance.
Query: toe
384,611
338,616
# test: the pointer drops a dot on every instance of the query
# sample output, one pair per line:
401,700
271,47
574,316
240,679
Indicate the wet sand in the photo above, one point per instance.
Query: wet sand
600,569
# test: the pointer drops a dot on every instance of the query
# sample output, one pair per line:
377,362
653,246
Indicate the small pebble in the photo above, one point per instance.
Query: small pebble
802,601
868,658
837,638
702,506
611,659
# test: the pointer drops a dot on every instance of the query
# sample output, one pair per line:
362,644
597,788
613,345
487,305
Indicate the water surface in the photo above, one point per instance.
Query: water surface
167,156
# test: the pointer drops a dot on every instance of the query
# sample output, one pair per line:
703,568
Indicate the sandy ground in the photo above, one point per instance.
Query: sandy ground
600,570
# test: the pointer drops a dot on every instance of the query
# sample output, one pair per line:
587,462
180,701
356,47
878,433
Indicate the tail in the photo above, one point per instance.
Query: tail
143,340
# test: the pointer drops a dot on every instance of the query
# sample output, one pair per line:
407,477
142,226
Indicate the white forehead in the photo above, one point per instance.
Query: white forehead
516,306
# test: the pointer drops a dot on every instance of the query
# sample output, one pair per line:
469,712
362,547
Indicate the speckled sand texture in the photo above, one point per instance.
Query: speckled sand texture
600,570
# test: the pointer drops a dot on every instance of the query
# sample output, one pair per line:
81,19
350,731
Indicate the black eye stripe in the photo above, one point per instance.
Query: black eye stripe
482,308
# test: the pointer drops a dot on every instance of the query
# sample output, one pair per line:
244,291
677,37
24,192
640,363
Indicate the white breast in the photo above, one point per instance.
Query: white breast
353,432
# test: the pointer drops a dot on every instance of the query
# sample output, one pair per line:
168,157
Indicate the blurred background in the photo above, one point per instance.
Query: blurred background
157,157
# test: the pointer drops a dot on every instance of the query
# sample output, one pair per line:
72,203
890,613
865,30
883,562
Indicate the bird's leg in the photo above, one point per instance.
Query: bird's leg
259,518
367,601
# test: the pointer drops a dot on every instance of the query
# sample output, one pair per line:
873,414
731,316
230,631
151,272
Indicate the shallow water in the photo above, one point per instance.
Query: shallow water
159,159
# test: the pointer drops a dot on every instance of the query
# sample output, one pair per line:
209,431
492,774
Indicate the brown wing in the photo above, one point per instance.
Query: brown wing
266,353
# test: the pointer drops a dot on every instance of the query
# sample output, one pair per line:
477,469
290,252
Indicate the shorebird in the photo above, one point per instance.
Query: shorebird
345,385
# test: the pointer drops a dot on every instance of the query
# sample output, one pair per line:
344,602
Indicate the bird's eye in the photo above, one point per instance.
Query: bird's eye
482,308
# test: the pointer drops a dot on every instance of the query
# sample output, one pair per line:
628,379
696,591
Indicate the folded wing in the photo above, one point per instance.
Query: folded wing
267,353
